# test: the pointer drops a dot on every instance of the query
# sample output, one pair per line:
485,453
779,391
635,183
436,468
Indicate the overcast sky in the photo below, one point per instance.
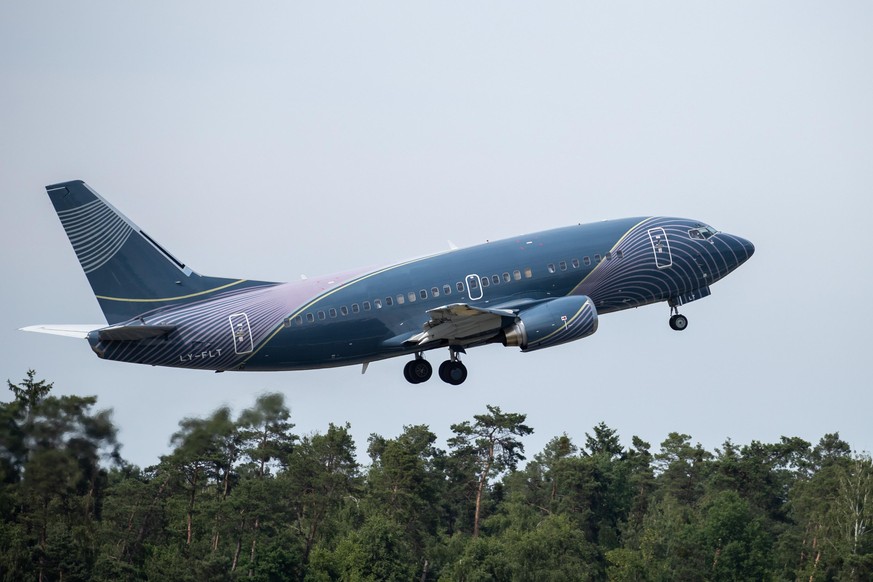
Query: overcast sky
265,140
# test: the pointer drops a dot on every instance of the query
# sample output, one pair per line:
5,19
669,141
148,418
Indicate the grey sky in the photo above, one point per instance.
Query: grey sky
272,139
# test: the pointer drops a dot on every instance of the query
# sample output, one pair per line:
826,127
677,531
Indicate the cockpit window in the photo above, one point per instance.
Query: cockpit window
702,232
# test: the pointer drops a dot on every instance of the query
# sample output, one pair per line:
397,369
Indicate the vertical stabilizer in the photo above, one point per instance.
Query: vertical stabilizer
129,272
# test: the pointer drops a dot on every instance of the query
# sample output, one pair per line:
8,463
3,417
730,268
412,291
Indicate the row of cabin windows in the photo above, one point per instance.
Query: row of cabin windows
574,263
495,279
400,298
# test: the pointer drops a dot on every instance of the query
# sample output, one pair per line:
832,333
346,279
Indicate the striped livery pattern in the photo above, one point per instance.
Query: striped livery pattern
96,232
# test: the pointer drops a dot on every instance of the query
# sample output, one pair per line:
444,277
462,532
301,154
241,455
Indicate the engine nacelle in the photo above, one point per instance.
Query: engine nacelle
557,321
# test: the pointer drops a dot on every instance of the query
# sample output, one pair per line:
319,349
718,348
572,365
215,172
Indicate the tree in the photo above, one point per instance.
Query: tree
265,433
604,442
833,512
493,443
201,455
378,550
265,438
682,468
54,486
322,472
406,483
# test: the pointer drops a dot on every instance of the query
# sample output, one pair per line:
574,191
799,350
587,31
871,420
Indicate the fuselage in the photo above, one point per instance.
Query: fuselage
370,314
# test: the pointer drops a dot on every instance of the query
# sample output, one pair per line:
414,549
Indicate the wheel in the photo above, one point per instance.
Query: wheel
453,373
407,372
417,371
443,370
678,322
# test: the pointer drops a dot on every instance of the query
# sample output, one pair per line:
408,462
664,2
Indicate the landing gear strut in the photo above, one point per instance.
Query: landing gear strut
418,370
677,322
452,371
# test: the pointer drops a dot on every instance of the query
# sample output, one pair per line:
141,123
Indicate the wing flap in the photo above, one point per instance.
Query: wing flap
459,321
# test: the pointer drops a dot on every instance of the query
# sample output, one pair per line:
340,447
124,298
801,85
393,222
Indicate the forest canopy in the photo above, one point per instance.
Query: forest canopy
244,496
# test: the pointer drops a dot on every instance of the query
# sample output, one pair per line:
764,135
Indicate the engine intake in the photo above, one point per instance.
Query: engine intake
552,323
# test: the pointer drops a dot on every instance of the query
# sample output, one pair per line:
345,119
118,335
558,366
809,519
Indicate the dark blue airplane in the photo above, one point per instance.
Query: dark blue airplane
532,291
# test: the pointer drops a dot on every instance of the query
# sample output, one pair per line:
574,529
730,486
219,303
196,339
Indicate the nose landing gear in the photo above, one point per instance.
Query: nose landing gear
677,322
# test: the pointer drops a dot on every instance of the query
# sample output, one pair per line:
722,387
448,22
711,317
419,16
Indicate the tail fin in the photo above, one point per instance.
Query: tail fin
129,272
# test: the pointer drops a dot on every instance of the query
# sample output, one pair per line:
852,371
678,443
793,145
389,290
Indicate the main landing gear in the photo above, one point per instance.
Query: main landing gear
418,370
677,322
452,371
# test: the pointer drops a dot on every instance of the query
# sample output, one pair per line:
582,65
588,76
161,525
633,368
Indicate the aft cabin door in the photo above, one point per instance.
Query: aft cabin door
242,333
661,247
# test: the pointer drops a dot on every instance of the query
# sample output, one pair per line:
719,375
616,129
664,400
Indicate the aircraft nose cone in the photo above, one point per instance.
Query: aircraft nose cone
747,247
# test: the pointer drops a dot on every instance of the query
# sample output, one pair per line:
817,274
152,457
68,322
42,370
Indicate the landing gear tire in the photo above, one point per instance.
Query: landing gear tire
453,372
678,322
417,371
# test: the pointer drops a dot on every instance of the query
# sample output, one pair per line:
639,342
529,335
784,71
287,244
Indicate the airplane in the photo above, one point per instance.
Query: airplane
532,292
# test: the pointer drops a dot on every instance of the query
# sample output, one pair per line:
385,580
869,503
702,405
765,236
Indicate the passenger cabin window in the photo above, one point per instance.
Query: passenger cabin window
474,283
355,308
459,286
619,254
551,267
377,303
516,274
332,311
411,296
528,273
435,291
495,279
389,302
586,260
422,294
608,256
344,310
447,289
321,315
310,318
596,259
485,281
563,265
506,278
575,263
298,320
400,299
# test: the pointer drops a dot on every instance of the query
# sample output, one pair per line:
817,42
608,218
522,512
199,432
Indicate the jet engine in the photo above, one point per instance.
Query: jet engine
556,321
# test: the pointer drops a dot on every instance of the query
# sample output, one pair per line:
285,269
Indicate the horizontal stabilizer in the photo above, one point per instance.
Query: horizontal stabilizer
128,333
116,333
80,331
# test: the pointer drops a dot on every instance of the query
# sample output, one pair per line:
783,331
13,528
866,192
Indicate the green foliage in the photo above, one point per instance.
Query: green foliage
243,497
487,448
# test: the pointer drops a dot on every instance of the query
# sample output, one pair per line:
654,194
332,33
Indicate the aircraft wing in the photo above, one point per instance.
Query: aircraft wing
460,321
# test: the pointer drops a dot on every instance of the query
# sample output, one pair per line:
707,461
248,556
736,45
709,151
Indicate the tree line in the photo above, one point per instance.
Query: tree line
245,497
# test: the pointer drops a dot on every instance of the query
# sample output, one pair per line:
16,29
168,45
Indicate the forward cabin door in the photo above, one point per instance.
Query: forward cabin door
661,247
